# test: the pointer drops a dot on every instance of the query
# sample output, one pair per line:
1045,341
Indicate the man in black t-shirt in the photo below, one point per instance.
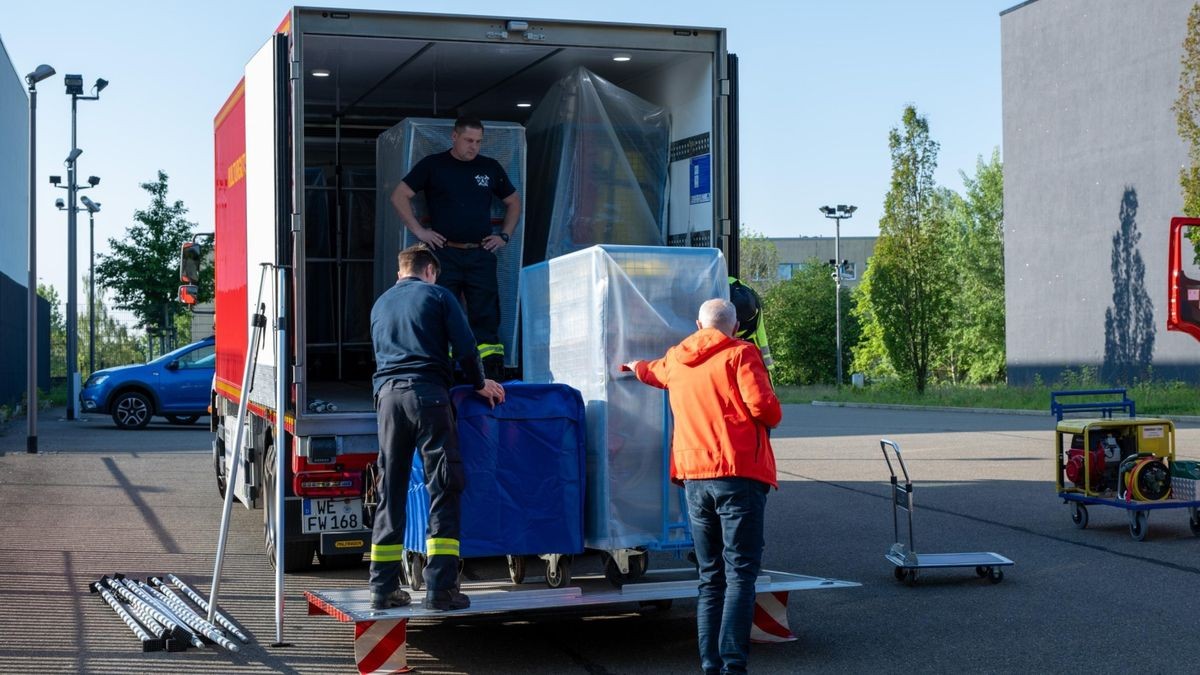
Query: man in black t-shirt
459,185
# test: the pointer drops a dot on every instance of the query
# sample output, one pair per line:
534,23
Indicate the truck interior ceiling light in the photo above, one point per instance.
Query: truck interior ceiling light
524,105
320,72
622,57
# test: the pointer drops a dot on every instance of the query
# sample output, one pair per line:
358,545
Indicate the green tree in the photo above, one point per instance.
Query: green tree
910,290
801,326
869,354
58,330
758,260
978,257
1187,121
143,269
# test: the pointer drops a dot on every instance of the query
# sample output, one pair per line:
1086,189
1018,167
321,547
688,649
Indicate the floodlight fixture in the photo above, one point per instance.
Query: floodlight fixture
74,155
74,85
92,206
40,73
101,83
60,203
55,180
93,180
827,210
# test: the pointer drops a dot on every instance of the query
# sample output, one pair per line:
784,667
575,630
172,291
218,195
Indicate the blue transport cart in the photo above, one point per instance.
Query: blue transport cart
1115,458
525,468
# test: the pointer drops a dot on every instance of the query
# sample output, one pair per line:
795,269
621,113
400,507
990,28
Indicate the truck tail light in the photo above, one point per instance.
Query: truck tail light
327,484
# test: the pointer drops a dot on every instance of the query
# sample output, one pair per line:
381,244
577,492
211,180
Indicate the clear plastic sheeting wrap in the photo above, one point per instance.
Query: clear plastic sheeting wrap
599,156
397,150
583,315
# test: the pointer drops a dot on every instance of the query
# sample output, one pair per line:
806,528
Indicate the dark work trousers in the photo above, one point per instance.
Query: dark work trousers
471,275
415,415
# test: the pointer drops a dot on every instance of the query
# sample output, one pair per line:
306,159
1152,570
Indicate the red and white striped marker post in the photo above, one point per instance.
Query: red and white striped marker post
380,647
771,619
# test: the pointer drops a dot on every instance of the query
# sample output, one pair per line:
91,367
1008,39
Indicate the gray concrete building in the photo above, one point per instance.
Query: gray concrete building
797,251
14,232
1091,181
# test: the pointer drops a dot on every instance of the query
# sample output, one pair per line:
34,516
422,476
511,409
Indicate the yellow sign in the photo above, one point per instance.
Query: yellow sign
350,543
236,171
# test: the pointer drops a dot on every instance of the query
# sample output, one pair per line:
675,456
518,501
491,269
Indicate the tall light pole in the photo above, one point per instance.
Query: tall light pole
92,208
31,369
837,214
75,91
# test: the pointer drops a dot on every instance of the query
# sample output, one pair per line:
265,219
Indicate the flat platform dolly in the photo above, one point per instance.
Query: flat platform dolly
907,561
380,635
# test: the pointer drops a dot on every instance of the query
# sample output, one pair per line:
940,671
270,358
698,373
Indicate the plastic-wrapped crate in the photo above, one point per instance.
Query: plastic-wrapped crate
524,461
399,149
600,156
583,315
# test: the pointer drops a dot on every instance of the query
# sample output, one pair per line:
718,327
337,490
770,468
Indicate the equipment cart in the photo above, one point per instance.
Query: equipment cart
906,559
1127,462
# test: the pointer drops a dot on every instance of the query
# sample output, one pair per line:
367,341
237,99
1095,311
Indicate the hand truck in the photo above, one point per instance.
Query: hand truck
905,558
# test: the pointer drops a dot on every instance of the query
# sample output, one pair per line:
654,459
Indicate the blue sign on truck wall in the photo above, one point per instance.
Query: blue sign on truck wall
700,179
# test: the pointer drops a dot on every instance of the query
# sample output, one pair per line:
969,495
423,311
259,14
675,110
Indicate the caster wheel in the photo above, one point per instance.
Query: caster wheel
911,579
1138,525
996,575
982,572
516,568
1079,515
561,576
900,573
1194,521
415,570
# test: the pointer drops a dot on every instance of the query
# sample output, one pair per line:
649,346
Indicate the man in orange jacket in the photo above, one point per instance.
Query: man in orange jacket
724,405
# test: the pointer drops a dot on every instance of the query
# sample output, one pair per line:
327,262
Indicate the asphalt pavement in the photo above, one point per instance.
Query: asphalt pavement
97,500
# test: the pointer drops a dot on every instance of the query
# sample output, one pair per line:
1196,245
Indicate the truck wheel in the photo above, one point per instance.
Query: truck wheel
131,410
298,555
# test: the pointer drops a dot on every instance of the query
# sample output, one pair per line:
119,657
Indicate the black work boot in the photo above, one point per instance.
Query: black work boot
397,598
446,600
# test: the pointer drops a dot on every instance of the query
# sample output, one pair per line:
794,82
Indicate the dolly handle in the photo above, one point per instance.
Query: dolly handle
884,444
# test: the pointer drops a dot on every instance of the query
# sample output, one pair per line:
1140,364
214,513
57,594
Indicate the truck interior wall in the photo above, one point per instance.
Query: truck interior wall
340,182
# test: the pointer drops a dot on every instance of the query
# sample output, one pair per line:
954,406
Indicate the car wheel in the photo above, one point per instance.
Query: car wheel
182,420
298,555
131,410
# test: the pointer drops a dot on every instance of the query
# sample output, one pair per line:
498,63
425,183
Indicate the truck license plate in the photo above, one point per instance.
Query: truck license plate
331,515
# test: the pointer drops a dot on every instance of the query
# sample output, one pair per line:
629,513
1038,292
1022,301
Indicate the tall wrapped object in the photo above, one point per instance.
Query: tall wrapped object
397,150
584,314
599,155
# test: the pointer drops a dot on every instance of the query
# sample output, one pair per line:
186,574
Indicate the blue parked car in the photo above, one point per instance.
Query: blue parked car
176,386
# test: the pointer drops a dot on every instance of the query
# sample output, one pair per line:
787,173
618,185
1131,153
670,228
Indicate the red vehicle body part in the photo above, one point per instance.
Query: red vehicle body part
1183,292
230,300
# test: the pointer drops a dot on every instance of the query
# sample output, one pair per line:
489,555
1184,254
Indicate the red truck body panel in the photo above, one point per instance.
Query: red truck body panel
230,303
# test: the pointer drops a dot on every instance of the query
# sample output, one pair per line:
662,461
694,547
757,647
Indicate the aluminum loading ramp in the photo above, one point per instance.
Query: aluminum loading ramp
379,635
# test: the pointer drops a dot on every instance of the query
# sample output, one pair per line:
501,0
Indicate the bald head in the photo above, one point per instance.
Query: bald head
719,314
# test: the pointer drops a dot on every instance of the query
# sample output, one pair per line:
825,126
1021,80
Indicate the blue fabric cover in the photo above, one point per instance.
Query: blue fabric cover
525,463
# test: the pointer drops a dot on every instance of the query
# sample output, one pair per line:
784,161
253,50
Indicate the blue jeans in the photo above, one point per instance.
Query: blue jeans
726,515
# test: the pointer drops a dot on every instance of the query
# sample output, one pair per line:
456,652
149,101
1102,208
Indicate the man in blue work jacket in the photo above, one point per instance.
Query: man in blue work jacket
414,326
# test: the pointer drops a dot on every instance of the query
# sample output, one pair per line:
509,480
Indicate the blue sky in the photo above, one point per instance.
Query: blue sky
821,85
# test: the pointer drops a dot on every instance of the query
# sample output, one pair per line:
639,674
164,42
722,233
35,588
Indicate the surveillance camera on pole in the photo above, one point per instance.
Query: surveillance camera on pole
837,214
74,89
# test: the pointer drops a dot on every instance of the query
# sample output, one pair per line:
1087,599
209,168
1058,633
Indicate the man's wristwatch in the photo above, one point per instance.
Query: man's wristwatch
503,236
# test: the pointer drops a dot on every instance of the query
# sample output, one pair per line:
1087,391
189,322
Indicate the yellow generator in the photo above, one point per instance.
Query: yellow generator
1116,458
